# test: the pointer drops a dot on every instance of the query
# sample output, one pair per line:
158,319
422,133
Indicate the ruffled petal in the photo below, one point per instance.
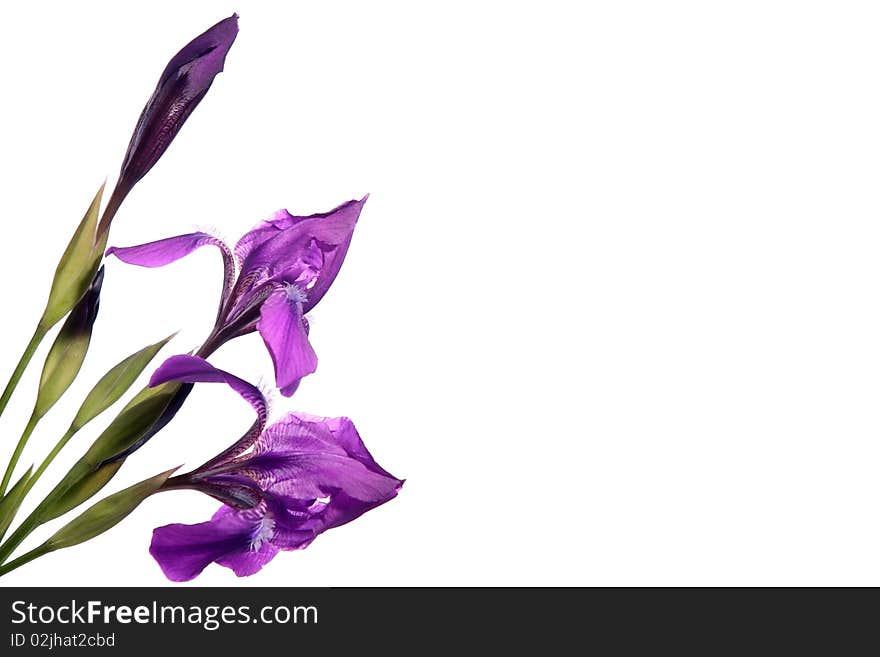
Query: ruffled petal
282,329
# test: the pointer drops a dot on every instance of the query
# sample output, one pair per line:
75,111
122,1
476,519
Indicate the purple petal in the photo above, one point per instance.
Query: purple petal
192,369
163,252
284,526
244,541
184,551
285,243
307,457
282,329
184,82
166,251
333,260
278,222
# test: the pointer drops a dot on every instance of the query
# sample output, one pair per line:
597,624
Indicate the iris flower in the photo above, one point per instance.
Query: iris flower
273,276
283,485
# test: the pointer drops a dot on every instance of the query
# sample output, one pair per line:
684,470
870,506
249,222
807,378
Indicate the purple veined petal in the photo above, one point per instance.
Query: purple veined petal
244,541
342,508
278,222
282,329
344,434
302,457
170,249
192,369
165,251
285,525
284,250
332,262
184,551
182,85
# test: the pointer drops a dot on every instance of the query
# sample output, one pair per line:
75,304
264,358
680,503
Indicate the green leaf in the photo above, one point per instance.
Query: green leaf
80,484
132,423
11,501
106,514
92,472
115,383
77,266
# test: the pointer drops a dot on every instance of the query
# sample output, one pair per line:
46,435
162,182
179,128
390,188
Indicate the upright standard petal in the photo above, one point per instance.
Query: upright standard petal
184,82
279,245
284,332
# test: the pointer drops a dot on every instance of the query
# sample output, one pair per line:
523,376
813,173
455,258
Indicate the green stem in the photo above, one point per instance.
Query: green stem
25,558
45,464
28,430
31,523
37,338
48,460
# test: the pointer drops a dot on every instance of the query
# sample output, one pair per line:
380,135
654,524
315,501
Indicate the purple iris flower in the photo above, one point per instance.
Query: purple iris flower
283,485
181,87
273,276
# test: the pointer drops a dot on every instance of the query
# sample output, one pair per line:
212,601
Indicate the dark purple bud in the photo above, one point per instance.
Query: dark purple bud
84,314
183,83
69,350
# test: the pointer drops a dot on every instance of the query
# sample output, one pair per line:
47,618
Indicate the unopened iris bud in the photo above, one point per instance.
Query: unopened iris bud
69,349
181,87
77,268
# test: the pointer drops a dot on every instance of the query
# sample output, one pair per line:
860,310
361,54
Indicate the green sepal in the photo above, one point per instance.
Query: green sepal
77,266
115,383
105,514
92,472
81,483
132,423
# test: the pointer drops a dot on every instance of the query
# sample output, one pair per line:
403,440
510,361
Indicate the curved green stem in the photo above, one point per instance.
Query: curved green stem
28,430
38,551
37,338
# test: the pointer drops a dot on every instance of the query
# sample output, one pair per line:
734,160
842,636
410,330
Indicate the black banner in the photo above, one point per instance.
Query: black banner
256,620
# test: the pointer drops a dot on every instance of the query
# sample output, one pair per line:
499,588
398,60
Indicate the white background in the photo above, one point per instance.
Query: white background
611,310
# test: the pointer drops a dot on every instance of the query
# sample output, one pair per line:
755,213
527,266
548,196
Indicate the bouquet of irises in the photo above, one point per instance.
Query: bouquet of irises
281,483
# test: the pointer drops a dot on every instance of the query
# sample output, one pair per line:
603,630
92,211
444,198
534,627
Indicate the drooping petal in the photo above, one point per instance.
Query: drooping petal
192,369
244,541
182,85
165,251
285,525
282,329
184,551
